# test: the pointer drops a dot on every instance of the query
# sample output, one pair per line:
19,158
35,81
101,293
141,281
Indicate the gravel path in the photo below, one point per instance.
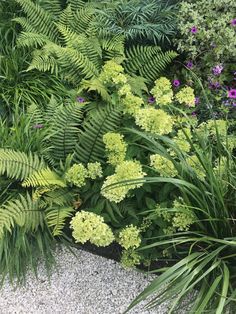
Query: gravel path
86,284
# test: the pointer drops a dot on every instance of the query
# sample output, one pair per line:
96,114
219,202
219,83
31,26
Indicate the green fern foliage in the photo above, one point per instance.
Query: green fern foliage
65,131
56,217
147,61
44,177
22,212
90,147
18,165
37,19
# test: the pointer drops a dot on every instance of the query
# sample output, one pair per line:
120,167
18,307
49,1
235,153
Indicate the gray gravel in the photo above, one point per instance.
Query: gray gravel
86,284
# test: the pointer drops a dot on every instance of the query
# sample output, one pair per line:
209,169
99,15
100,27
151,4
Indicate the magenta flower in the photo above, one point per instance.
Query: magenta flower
189,64
176,83
194,30
233,22
38,126
80,99
232,93
151,100
194,114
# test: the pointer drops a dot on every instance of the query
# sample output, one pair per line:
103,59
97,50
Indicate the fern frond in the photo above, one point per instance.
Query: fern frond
82,19
56,217
23,212
147,61
76,4
65,131
53,6
97,86
18,165
25,24
44,177
41,20
90,146
28,39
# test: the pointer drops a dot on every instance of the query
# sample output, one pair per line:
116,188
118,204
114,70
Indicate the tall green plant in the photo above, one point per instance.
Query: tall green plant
207,251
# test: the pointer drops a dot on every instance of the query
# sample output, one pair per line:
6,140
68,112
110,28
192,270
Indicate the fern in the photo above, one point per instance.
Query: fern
18,165
147,61
90,146
56,217
44,177
29,39
40,19
22,212
65,131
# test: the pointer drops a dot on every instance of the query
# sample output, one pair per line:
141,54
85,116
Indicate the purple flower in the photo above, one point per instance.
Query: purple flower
193,114
38,126
194,30
176,83
218,69
151,100
234,104
80,99
232,93
233,22
189,64
197,100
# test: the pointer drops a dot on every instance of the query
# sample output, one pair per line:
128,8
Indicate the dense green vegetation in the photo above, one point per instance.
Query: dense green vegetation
117,121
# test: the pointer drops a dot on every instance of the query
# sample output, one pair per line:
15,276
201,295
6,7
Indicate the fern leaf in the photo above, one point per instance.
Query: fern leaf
23,212
29,39
65,131
147,61
44,177
18,165
90,146
56,217
41,20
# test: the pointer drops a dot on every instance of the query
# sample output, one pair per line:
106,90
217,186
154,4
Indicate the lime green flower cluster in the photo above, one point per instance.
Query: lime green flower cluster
181,140
115,147
194,162
91,227
163,165
155,121
162,91
130,258
183,218
213,127
94,170
78,174
111,70
129,237
179,217
131,104
127,170
186,96
120,79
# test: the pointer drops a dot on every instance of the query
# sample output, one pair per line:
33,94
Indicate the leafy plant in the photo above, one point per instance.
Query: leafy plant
207,251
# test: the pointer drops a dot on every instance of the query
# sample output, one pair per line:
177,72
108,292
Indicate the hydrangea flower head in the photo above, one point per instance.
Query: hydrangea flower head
129,237
94,170
155,121
162,91
77,175
163,165
115,147
186,96
88,226
127,170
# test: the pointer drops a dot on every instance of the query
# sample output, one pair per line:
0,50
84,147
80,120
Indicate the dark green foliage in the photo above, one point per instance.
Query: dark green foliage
147,61
152,21
90,146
